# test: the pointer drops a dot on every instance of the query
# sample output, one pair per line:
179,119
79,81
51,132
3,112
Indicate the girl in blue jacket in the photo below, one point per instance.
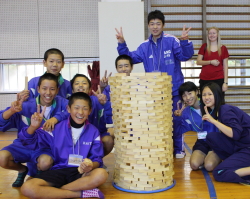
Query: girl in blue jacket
232,142
190,119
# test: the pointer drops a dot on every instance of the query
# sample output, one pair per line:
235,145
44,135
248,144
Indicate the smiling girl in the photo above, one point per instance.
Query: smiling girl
213,56
232,143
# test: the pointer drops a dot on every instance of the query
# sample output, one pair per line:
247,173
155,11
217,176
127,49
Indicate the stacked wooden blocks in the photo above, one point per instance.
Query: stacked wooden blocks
142,117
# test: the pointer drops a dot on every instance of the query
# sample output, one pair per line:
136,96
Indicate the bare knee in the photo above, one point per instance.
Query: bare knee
108,144
5,157
194,165
44,162
100,176
209,166
29,189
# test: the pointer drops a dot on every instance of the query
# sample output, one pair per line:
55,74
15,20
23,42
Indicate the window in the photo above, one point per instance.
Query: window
13,74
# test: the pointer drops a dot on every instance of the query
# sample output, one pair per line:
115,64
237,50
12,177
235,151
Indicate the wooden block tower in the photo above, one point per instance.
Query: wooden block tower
142,117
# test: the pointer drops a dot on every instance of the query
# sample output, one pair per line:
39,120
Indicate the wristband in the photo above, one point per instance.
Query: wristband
225,82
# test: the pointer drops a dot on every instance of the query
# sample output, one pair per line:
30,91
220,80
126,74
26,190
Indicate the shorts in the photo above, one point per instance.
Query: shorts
59,177
21,154
202,146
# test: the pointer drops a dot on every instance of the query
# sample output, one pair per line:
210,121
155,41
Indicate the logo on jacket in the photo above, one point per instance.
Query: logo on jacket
167,53
86,143
151,56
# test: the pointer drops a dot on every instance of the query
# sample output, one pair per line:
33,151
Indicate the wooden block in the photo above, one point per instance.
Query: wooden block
137,74
154,74
118,74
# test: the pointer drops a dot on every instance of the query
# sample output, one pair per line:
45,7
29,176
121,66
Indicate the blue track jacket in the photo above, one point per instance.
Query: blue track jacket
164,56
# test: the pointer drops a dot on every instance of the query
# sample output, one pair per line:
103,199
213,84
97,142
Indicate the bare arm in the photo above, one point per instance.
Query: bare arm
225,69
202,62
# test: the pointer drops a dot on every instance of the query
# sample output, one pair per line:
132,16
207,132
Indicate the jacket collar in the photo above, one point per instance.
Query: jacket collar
151,37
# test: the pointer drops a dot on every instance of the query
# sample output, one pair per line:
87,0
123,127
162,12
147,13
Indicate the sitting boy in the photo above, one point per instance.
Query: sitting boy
74,142
18,116
54,62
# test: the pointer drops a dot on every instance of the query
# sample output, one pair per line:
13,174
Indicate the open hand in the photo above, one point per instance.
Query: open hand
50,124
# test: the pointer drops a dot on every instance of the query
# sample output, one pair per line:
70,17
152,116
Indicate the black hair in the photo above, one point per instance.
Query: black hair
53,51
187,87
218,98
48,76
157,14
80,95
124,57
79,75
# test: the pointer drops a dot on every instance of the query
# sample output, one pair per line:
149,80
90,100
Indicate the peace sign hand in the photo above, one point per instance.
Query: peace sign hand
207,116
37,117
104,80
184,34
119,36
16,106
101,97
178,112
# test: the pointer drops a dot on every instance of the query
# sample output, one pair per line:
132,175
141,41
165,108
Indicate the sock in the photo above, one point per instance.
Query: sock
92,193
20,178
38,172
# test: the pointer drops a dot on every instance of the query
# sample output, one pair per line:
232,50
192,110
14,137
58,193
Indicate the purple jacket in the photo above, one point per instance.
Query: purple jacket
22,119
64,87
61,143
239,121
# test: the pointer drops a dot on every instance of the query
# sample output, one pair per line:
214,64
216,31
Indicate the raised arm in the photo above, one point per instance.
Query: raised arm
225,68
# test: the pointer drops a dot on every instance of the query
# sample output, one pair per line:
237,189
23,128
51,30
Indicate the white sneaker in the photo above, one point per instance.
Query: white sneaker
180,155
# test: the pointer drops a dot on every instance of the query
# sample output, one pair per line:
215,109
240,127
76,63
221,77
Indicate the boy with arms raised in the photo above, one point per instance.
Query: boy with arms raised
74,142
162,53
18,116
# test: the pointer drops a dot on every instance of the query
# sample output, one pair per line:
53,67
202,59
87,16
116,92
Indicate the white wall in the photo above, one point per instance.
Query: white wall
129,16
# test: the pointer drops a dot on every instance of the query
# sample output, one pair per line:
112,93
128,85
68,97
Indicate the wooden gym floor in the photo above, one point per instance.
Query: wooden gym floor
189,184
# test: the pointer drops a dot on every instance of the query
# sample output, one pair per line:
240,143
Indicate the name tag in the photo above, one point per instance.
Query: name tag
202,135
75,159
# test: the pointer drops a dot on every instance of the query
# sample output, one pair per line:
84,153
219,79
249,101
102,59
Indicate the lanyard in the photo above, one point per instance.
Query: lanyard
158,68
74,145
200,128
77,140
